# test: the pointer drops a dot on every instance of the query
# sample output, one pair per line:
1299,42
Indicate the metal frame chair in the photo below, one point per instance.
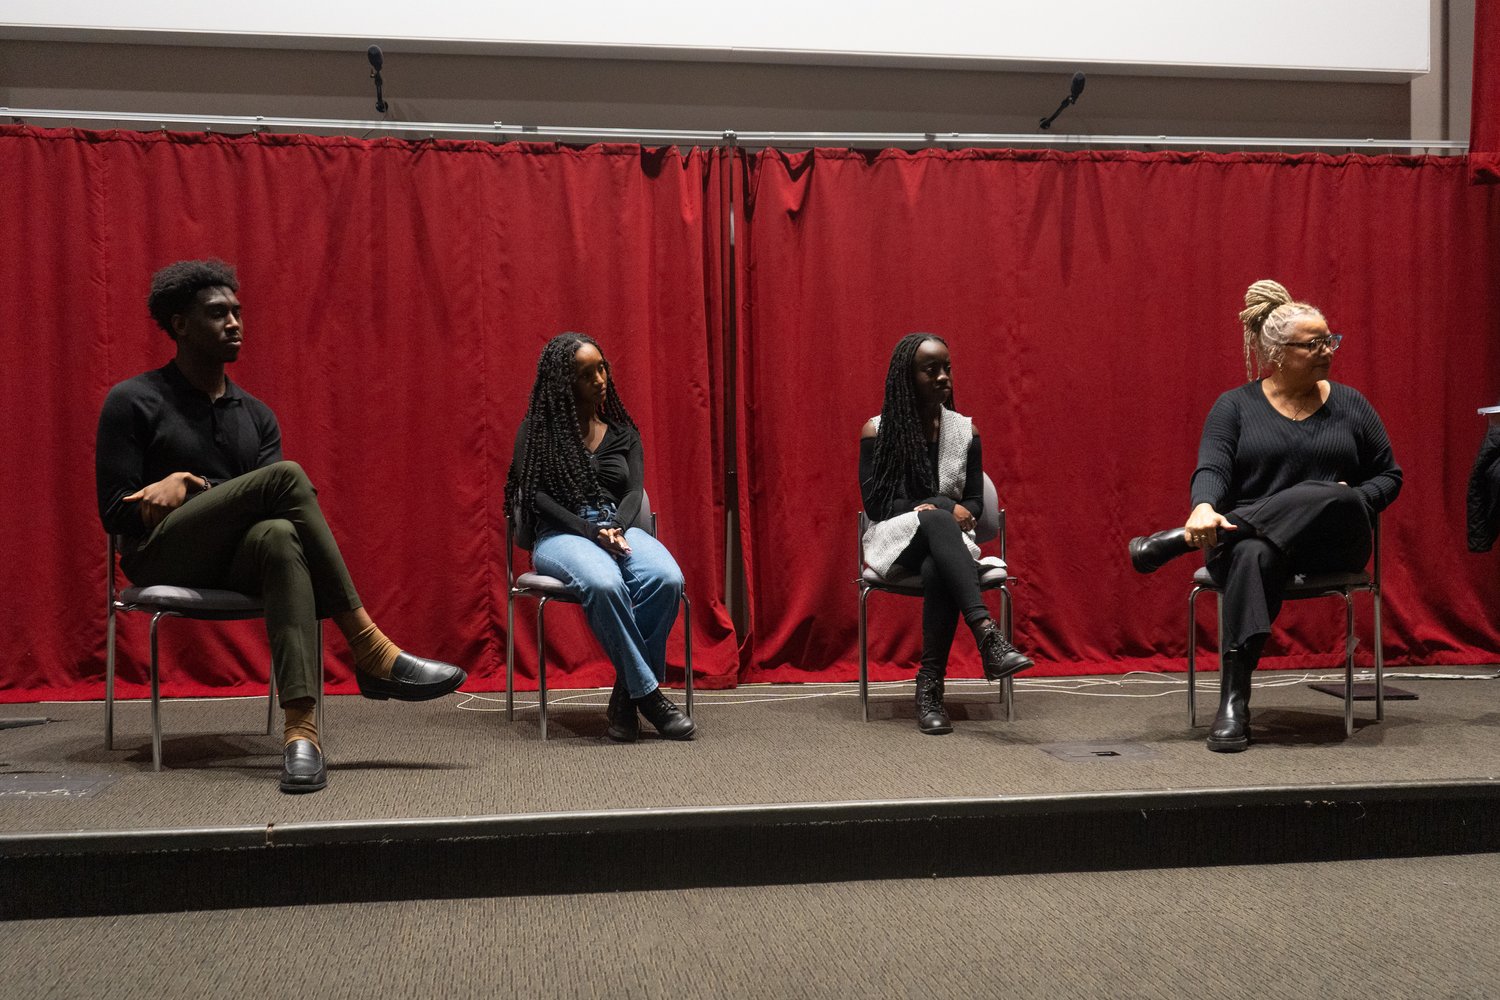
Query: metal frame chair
994,575
194,603
550,588
1301,588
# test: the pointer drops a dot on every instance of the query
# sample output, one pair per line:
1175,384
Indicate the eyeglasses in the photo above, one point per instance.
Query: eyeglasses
1329,343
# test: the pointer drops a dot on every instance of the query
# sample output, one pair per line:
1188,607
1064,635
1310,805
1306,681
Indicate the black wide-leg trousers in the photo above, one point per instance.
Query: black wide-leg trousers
1304,529
950,584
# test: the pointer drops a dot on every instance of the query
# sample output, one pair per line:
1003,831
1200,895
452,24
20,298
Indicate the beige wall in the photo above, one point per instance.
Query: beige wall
1440,100
716,96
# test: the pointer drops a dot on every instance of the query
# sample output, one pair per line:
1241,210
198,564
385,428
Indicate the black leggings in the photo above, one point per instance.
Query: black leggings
1307,528
950,584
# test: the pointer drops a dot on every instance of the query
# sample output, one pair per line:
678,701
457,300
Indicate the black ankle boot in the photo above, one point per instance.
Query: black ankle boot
1149,553
1231,728
932,718
998,657
665,716
624,721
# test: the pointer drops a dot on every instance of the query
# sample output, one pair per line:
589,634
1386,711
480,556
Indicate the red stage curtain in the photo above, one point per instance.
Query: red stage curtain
1090,301
396,297
1484,121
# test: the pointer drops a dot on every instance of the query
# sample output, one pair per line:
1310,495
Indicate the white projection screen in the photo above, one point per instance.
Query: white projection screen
1345,39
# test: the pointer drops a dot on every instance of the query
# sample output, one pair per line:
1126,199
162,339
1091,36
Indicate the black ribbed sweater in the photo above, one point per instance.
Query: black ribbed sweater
1250,451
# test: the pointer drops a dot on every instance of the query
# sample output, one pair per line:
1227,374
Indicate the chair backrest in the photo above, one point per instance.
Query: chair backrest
109,572
987,525
645,518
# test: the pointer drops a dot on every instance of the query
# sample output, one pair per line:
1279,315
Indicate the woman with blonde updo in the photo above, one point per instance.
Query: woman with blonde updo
1291,466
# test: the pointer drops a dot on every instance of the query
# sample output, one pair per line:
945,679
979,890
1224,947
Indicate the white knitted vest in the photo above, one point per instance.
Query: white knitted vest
885,540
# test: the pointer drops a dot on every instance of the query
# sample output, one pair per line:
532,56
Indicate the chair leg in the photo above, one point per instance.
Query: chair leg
1192,657
864,657
318,711
271,705
1379,661
1348,663
687,645
155,695
510,658
541,661
1219,639
1008,688
109,680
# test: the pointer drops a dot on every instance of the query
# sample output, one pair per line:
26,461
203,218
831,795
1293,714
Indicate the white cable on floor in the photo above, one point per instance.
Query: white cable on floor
746,694
1079,686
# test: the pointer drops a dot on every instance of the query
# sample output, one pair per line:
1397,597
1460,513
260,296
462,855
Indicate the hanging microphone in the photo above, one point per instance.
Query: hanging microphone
1076,89
377,60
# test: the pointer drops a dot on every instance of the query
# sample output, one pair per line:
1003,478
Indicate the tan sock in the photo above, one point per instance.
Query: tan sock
374,654
301,722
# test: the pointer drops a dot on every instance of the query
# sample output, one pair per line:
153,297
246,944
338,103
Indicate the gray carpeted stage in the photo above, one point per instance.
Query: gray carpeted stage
758,744
783,786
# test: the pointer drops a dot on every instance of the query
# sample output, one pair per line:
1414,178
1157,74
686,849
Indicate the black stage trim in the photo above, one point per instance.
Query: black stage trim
118,872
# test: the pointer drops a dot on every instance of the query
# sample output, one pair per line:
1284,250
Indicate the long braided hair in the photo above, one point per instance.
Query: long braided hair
902,467
1267,322
555,460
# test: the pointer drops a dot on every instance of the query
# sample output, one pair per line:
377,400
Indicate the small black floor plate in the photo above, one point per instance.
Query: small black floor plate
1099,750
1364,691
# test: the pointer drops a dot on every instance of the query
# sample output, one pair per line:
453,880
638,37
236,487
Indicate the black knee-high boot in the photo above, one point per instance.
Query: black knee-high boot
1231,728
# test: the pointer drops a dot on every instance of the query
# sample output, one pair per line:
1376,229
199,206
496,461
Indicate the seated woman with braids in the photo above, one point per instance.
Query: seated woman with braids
1290,468
576,480
923,488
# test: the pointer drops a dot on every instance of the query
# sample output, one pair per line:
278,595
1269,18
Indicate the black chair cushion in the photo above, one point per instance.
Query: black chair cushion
192,602
1309,585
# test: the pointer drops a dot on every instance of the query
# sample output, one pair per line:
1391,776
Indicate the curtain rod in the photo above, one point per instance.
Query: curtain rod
704,137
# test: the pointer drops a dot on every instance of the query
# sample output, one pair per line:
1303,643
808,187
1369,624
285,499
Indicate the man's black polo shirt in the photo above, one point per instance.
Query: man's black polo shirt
158,423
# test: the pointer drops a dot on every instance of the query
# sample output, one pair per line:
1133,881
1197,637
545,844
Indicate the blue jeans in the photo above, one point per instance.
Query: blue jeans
630,601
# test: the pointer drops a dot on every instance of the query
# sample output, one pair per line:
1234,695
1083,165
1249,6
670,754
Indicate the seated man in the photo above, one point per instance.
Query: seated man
189,472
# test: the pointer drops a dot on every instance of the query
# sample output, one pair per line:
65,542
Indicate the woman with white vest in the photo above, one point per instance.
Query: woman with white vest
922,484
